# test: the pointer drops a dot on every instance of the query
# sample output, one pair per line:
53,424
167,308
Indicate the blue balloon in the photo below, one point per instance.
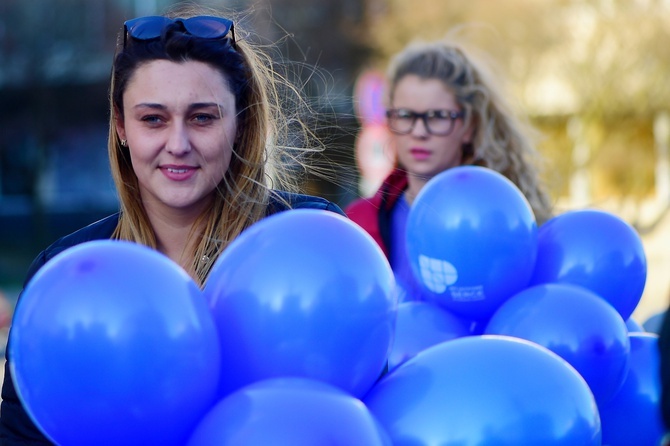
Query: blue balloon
475,326
289,411
420,325
634,415
112,343
594,249
574,323
407,293
304,293
472,240
492,390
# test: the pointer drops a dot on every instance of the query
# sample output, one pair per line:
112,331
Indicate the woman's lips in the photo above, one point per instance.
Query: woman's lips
178,173
419,153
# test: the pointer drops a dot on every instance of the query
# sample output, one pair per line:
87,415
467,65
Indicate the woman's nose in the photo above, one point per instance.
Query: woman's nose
419,130
178,142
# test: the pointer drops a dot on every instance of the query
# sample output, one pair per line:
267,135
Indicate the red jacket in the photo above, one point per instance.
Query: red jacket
374,214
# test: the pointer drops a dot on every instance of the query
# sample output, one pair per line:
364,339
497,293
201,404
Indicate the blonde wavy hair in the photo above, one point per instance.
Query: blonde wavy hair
262,158
502,141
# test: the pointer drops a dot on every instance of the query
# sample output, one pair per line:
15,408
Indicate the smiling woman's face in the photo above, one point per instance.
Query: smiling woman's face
180,124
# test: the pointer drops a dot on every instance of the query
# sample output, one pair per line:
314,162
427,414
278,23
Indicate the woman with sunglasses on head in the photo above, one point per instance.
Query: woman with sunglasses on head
192,111
443,113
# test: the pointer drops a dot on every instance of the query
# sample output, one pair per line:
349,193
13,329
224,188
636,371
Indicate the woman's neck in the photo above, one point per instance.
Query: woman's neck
174,236
414,186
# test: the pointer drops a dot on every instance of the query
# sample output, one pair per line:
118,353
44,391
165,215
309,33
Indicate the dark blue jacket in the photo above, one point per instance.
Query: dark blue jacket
16,428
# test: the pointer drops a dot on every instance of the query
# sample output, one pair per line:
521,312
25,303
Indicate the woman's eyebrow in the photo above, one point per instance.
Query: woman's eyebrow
150,105
205,104
194,106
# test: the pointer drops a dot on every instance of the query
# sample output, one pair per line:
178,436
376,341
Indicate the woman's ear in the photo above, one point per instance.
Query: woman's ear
120,126
469,133
467,146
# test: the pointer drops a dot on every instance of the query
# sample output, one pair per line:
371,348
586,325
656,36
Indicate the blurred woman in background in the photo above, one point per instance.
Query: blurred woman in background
444,111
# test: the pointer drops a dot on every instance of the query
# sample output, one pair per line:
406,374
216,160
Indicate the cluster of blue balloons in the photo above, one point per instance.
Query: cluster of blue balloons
569,287
521,334
113,343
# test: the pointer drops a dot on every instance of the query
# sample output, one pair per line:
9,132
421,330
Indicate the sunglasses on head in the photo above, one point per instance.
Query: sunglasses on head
204,27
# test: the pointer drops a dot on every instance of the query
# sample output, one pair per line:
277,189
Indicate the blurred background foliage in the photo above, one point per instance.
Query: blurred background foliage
589,74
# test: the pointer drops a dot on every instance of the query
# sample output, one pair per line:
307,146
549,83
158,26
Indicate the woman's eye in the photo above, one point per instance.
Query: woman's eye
151,119
203,118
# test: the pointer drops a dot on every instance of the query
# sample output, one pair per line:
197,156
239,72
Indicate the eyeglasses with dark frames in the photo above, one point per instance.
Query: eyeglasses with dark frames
436,122
205,27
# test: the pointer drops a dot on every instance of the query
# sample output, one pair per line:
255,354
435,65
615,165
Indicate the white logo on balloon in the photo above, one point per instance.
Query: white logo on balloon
437,274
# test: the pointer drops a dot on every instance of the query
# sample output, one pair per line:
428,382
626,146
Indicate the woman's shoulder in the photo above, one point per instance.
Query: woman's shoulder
384,198
363,205
283,201
99,230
